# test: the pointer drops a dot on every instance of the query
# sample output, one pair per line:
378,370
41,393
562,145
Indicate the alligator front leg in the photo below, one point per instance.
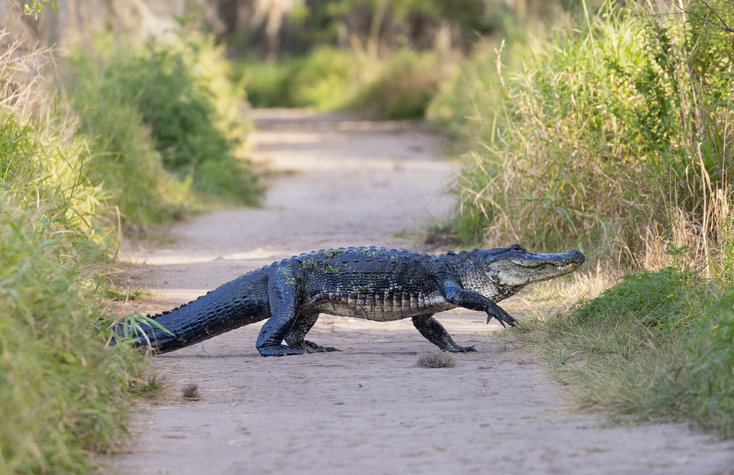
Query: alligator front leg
297,333
283,299
474,301
437,334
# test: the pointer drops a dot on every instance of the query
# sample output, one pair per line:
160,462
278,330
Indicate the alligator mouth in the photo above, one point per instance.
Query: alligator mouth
559,261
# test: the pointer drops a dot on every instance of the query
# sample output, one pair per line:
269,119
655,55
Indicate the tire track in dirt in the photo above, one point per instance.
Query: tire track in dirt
367,409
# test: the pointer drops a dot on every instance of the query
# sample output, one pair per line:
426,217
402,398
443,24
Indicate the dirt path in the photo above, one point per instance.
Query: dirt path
366,410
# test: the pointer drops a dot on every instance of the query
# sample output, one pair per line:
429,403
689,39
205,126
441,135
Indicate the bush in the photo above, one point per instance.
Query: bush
183,93
398,86
407,83
123,160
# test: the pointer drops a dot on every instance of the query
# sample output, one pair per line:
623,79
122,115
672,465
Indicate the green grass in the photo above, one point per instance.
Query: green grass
65,393
397,86
165,124
658,346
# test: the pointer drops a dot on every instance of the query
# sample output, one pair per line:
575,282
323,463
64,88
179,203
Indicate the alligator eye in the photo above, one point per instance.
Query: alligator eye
517,247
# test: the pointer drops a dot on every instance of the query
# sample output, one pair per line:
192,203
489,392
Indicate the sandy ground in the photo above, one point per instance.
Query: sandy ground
367,409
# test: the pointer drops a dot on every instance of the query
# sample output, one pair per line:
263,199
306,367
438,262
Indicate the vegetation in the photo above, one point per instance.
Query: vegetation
657,346
64,392
162,106
615,135
398,85
124,140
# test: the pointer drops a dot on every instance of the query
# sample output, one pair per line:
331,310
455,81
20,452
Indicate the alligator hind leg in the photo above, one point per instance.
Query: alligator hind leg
283,298
297,333
437,334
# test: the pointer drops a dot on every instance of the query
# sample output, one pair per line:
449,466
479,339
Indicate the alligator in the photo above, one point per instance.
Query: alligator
373,283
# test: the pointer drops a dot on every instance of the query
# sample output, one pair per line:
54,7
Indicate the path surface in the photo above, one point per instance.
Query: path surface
368,409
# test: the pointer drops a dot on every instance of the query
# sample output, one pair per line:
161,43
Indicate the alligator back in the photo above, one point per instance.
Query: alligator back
237,303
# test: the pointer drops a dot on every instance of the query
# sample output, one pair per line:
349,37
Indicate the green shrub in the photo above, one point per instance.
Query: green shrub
398,86
268,84
183,92
122,160
404,87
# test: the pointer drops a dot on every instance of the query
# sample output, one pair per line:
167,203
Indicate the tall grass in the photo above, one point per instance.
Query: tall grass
123,160
618,138
616,133
64,393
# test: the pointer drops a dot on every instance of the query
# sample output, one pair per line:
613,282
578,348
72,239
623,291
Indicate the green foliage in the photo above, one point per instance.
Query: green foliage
396,87
182,92
64,392
404,87
321,81
34,7
618,125
123,160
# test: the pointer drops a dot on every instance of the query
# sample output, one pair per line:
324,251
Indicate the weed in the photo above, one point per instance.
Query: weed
64,393
435,360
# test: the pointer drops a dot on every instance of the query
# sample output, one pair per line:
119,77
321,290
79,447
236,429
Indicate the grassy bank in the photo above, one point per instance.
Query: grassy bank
64,393
655,347
615,136
138,138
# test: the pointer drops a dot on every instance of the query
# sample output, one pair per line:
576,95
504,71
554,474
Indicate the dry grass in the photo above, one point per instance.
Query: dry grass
435,360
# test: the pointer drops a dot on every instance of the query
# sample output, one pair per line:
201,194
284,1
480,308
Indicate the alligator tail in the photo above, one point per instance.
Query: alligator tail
232,305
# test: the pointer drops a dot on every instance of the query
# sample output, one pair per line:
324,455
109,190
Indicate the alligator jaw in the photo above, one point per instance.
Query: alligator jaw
522,268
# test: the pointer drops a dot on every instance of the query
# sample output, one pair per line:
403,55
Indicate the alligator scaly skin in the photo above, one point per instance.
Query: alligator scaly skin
368,282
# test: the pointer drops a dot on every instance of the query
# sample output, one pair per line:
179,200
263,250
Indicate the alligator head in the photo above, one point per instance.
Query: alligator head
501,273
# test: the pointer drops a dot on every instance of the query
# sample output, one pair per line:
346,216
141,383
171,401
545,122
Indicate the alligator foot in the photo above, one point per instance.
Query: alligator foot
460,349
279,350
312,347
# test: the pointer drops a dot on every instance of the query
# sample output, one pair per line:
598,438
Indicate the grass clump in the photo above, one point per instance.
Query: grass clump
616,133
435,360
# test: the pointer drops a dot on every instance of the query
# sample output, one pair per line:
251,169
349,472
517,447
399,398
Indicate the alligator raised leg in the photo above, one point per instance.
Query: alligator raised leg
437,334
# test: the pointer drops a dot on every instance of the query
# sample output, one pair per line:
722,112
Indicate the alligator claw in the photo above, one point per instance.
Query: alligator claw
312,347
460,349
501,316
279,350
